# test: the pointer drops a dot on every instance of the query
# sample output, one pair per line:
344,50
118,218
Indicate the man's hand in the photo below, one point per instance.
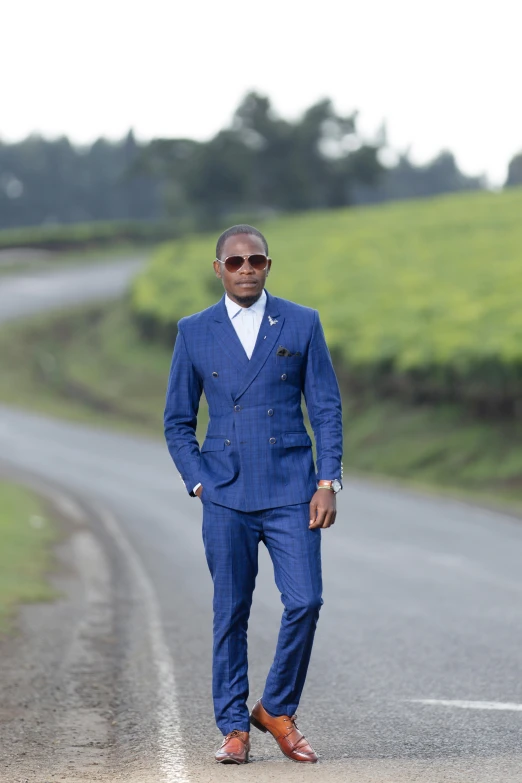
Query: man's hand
323,509
199,492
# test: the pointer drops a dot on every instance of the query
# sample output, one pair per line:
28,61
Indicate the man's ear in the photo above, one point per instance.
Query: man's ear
217,269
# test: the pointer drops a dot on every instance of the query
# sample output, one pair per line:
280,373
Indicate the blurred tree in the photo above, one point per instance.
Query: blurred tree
406,180
258,165
514,176
43,181
263,163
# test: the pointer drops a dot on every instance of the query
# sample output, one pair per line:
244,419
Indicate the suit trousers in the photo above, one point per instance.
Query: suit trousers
231,540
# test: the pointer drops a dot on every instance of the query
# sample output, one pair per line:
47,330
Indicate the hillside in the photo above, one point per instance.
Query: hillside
419,300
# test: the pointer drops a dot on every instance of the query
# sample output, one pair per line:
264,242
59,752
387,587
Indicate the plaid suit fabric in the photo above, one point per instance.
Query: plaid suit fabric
231,541
257,453
258,477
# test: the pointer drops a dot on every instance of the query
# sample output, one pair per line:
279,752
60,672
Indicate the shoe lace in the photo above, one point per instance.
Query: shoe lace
233,733
292,720
293,725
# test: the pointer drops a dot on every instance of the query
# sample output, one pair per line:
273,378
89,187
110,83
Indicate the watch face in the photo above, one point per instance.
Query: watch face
336,485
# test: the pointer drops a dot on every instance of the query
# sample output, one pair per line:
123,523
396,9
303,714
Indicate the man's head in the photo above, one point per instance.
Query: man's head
245,284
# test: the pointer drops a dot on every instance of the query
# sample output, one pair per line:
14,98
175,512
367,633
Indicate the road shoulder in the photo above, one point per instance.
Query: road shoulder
56,670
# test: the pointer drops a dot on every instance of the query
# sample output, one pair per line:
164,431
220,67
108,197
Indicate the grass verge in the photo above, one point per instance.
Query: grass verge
87,365
91,365
26,537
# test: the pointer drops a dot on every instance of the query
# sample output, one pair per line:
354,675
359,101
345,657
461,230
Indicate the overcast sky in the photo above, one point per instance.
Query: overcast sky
443,74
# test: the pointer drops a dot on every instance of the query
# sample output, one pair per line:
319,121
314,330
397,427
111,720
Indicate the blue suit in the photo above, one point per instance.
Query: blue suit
257,470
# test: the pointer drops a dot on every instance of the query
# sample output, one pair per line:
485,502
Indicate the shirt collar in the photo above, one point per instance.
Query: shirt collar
234,309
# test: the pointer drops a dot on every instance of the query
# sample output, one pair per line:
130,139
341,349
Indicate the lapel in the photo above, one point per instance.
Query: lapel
266,340
226,334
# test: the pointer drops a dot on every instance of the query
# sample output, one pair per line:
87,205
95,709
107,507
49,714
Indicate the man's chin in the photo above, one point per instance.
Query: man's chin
247,299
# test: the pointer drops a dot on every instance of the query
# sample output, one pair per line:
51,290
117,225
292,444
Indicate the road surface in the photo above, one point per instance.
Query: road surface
417,668
40,291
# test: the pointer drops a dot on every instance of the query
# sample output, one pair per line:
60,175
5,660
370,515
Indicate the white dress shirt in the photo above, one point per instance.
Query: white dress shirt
247,321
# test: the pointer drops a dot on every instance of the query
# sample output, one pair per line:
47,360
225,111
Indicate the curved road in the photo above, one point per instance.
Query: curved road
416,671
37,292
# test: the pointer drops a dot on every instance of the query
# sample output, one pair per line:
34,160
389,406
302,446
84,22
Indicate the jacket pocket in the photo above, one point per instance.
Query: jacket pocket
213,444
293,439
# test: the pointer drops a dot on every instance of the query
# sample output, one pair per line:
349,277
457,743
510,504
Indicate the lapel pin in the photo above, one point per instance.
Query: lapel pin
272,321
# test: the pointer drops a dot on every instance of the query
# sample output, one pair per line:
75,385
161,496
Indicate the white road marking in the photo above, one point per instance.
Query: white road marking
172,758
471,705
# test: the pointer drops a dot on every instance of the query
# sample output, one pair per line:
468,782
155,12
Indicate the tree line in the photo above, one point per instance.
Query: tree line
258,165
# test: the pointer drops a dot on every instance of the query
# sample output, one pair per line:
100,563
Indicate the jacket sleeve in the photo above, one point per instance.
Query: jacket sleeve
323,402
183,395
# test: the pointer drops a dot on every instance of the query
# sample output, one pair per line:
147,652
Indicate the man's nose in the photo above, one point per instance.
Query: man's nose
247,267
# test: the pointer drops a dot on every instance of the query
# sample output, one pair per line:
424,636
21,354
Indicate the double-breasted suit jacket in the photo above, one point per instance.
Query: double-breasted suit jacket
257,453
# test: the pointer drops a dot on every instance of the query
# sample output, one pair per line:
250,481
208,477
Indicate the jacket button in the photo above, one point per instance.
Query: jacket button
270,412
214,374
272,441
237,408
284,376
227,442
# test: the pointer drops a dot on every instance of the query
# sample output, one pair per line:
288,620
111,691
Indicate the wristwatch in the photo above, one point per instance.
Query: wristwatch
334,486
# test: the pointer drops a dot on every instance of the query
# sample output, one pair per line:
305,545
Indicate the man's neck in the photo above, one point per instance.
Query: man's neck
245,301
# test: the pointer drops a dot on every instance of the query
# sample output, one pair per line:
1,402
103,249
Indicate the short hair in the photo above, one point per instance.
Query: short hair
234,231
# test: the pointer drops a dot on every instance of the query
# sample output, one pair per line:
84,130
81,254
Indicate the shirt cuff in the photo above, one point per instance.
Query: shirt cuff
196,487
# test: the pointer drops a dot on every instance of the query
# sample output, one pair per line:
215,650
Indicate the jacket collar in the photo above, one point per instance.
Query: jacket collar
267,337
220,312
233,309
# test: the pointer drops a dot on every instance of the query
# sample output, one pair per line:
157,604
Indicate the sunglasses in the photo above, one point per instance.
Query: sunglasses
234,263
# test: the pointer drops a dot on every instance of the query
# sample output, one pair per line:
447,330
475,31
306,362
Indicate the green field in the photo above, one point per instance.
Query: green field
420,300
93,366
26,536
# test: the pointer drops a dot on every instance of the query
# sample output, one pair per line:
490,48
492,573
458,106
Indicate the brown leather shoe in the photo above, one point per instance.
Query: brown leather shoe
285,732
235,748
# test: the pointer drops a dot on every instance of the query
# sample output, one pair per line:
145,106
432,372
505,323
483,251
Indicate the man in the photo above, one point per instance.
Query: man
253,355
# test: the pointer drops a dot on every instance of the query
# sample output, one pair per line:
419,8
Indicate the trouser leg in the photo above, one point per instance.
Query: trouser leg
295,551
231,541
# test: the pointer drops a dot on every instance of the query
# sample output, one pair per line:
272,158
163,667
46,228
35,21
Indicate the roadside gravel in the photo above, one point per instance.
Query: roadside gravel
70,705
56,671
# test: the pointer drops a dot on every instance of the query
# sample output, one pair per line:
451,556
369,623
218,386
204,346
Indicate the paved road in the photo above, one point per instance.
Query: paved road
38,291
416,671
